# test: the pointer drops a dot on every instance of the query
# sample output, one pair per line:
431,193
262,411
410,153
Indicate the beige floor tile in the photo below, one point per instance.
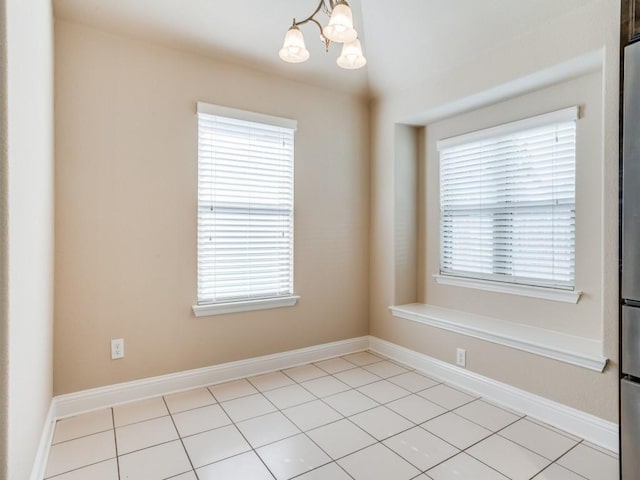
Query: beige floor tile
487,415
215,445
139,411
107,470
311,415
325,386
378,463
357,377
556,472
292,456
341,438
508,458
196,398
350,402
244,466
414,382
232,390
362,358
185,476
334,365
590,463
270,381
416,409
247,407
456,430
386,369
305,372
82,425
381,422
539,439
155,463
464,467
289,396
80,452
145,434
200,420
383,391
267,429
328,472
421,448
446,396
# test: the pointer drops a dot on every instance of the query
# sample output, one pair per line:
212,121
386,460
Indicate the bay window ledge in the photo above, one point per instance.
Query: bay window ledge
574,350
555,294
244,306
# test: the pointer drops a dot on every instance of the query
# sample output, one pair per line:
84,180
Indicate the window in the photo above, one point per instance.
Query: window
507,202
245,209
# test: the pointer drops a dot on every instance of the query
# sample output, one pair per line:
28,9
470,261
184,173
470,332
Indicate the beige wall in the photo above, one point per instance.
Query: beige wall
126,183
27,232
514,69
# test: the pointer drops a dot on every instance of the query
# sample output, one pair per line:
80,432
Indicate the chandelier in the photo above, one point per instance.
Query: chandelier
338,30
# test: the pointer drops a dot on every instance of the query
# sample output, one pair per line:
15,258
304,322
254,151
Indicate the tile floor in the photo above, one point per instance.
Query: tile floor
356,417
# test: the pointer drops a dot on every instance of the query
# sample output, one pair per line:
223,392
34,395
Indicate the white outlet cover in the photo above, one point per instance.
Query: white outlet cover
117,348
461,357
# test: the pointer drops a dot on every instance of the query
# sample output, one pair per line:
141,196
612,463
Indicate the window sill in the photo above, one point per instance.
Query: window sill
579,351
554,294
246,306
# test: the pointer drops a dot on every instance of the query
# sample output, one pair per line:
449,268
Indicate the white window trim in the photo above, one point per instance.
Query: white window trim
211,309
554,294
229,112
579,351
564,115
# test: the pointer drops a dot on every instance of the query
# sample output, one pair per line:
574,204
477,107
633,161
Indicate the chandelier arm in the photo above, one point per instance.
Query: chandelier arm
310,17
322,5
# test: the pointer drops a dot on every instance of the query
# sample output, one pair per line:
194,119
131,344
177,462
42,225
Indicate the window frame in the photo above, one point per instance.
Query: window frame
502,283
206,307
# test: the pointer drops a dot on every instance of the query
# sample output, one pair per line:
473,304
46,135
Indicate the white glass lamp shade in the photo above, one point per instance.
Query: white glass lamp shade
351,56
294,50
340,28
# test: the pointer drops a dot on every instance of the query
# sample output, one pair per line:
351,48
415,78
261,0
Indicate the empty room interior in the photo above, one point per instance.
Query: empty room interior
318,239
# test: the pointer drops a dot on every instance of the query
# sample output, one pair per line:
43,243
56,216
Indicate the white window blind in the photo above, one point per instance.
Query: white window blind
507,202
245,205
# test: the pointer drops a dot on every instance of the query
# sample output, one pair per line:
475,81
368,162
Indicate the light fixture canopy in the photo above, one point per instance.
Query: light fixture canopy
338,30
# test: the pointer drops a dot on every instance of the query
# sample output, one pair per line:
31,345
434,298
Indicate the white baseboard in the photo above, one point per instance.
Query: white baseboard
581,424
96,398
589,427
87,400
40,462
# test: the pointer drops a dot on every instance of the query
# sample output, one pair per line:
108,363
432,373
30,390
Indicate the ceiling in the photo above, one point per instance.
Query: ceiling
405,41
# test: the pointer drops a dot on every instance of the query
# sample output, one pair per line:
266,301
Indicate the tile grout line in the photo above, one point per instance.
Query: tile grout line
59,475
304,432
181,441
115,440
81,436
344,417
347,418
559,466
234,423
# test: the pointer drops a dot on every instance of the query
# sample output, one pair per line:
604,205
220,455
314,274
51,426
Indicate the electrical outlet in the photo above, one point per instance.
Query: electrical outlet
461,357
117,348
